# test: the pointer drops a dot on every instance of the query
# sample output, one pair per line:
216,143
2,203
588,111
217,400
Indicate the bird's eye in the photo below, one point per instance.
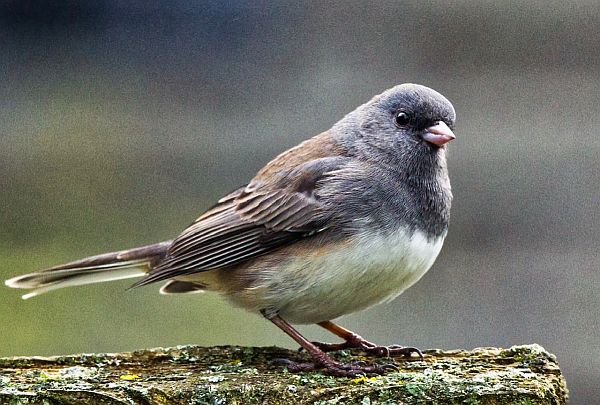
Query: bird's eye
402,119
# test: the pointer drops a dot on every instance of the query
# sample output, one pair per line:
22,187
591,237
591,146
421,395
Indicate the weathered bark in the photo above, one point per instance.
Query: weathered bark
247,375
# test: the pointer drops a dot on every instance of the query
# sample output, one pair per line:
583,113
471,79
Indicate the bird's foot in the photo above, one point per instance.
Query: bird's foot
392,351
337,369
357,342
331,347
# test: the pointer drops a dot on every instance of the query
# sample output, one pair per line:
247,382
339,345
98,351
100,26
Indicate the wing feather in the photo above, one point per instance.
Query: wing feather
249,222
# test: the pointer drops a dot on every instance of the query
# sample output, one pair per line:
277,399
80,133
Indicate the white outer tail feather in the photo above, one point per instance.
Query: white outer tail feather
79,276
130,263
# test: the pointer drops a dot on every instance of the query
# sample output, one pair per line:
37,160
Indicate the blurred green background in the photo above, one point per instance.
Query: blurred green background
121,121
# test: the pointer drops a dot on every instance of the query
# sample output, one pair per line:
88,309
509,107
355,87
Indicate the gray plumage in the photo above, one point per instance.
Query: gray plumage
369,178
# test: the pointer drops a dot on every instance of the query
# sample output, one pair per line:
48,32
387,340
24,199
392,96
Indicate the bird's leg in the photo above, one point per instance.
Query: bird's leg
320,359
353,340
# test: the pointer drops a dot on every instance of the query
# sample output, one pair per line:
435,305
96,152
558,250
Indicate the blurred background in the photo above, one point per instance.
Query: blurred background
121,121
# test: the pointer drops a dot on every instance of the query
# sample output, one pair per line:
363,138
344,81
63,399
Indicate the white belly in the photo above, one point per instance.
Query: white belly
370,270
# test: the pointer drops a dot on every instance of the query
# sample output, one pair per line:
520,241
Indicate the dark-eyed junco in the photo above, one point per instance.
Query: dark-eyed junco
345,220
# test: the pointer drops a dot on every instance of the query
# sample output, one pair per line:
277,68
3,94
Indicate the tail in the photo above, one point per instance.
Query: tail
96,269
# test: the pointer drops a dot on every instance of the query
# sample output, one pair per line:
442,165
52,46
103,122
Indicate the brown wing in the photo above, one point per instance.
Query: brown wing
250,222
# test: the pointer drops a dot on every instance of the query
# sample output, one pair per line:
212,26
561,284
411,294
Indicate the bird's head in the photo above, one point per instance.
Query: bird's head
408,119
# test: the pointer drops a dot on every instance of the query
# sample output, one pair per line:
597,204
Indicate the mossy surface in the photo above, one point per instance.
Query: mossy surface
246,375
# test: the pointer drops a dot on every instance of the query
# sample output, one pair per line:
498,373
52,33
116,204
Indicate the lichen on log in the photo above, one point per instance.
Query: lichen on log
248,375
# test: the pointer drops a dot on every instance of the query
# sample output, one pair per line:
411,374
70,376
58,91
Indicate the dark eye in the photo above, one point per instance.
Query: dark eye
402,119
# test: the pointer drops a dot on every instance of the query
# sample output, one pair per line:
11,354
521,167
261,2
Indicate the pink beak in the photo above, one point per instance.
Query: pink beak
439,134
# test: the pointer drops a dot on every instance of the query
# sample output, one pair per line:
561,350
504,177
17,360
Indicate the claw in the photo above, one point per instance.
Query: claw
391,351
370,348
408,351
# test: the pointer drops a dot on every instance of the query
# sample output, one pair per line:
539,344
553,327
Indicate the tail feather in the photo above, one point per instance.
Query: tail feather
95,269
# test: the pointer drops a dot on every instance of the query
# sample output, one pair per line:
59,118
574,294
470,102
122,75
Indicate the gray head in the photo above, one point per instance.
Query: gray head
407,122
402,133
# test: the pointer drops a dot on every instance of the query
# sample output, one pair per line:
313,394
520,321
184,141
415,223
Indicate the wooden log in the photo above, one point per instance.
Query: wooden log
248,375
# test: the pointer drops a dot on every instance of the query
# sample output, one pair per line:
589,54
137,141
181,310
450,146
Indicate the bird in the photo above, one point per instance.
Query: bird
345,220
